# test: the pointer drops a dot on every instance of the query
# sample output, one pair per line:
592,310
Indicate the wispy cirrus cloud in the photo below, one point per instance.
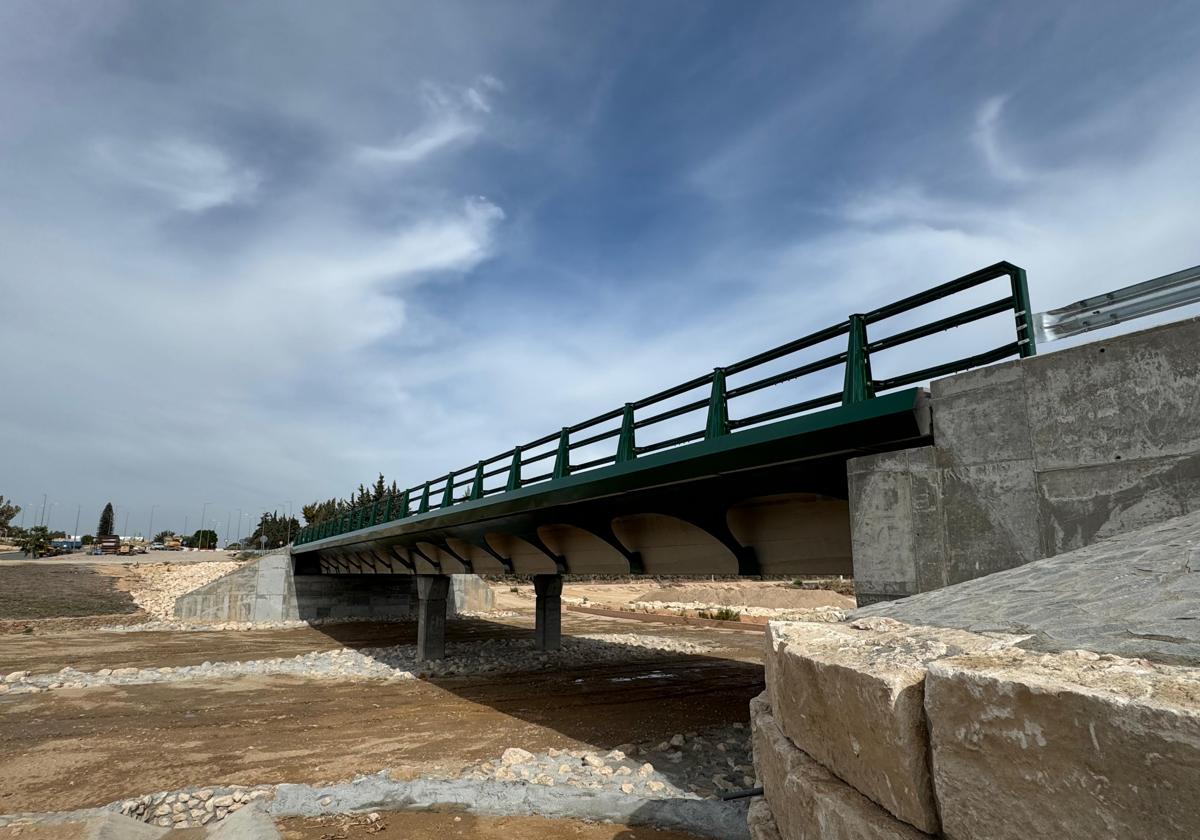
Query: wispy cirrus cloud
454,118
187,174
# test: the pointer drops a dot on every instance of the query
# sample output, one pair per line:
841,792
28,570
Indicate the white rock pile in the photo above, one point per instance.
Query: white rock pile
156,586
393,662
187,808
691,764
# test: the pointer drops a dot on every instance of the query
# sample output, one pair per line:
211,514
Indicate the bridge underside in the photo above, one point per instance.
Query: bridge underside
768,501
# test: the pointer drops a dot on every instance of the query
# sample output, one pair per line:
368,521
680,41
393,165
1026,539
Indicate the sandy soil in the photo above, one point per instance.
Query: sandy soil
748,593
88,650
78,748
431,825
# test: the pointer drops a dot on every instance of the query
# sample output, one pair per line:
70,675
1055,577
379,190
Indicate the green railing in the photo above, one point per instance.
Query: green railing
470,483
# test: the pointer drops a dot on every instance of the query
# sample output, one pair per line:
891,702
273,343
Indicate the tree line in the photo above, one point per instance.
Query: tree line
379,491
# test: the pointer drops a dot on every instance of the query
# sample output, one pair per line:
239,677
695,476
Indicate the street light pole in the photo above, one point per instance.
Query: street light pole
78,510
125,530
42,515
288,502
203,513
150,530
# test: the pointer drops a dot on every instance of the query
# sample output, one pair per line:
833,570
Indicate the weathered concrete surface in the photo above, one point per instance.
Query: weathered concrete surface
761,821
250,823
1033,458
548,611
852,697
1064,745
807,801
267,590
1135,595
111,826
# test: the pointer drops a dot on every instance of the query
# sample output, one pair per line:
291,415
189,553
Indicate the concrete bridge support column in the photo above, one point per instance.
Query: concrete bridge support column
548,614
431,616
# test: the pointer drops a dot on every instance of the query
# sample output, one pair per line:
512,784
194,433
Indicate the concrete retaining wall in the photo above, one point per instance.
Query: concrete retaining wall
1030,459
266,590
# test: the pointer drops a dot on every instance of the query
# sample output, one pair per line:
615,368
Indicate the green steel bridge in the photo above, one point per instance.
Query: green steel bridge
762,491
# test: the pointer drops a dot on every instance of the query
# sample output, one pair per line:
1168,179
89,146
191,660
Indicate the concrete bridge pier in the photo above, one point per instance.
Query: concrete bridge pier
548,611
431,616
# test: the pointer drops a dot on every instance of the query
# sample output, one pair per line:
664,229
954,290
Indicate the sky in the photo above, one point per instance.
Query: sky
254,253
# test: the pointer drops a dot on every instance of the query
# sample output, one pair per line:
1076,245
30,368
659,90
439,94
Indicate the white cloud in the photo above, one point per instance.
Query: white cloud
453,119
189,175
987,137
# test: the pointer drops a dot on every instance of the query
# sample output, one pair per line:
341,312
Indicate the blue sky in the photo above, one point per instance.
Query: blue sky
252,252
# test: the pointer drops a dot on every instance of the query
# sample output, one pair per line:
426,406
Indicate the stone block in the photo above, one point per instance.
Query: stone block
807,801
1065,745
761,821
852,697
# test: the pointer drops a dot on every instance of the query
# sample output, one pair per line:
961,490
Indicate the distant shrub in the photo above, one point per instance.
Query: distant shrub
723,614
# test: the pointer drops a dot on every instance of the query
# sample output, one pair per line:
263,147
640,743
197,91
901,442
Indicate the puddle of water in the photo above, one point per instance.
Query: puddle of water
653,675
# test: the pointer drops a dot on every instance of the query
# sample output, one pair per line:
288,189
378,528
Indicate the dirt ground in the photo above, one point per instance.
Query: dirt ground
402,825
39,590
744,593
433,825
77,748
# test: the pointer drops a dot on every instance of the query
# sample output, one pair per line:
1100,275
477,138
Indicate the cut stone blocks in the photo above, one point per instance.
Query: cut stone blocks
1064,745
807,801
851,696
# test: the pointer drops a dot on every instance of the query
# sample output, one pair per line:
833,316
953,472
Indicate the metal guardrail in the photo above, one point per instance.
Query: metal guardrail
1179,288
858,386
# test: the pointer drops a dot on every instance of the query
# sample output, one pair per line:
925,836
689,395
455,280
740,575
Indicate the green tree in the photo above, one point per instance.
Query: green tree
163,535
205,538
320,511
330,508
275,528
88,539
35,541
105,528
7,512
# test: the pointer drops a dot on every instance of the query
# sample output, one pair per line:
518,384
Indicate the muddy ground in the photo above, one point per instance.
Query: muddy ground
69,749
40,590
430,825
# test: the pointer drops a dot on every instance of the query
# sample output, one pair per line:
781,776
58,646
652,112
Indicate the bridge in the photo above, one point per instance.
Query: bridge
711,476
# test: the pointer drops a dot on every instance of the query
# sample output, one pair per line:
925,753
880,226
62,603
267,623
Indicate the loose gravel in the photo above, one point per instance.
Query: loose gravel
156,586
490,656
704,765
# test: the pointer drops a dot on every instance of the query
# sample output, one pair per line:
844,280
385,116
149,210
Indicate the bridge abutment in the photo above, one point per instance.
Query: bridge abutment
548,611
1031,459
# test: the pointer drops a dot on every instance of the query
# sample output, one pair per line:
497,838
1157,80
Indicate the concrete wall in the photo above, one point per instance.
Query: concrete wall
266,590
1033,458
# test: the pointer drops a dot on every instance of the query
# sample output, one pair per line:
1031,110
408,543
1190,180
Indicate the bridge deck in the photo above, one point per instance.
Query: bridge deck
760,494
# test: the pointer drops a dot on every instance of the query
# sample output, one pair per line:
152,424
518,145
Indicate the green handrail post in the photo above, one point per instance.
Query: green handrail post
857,387
626,448
423,507
718,408
404,505
1027,343
562,460
514,472
387,511
448,494
477,484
